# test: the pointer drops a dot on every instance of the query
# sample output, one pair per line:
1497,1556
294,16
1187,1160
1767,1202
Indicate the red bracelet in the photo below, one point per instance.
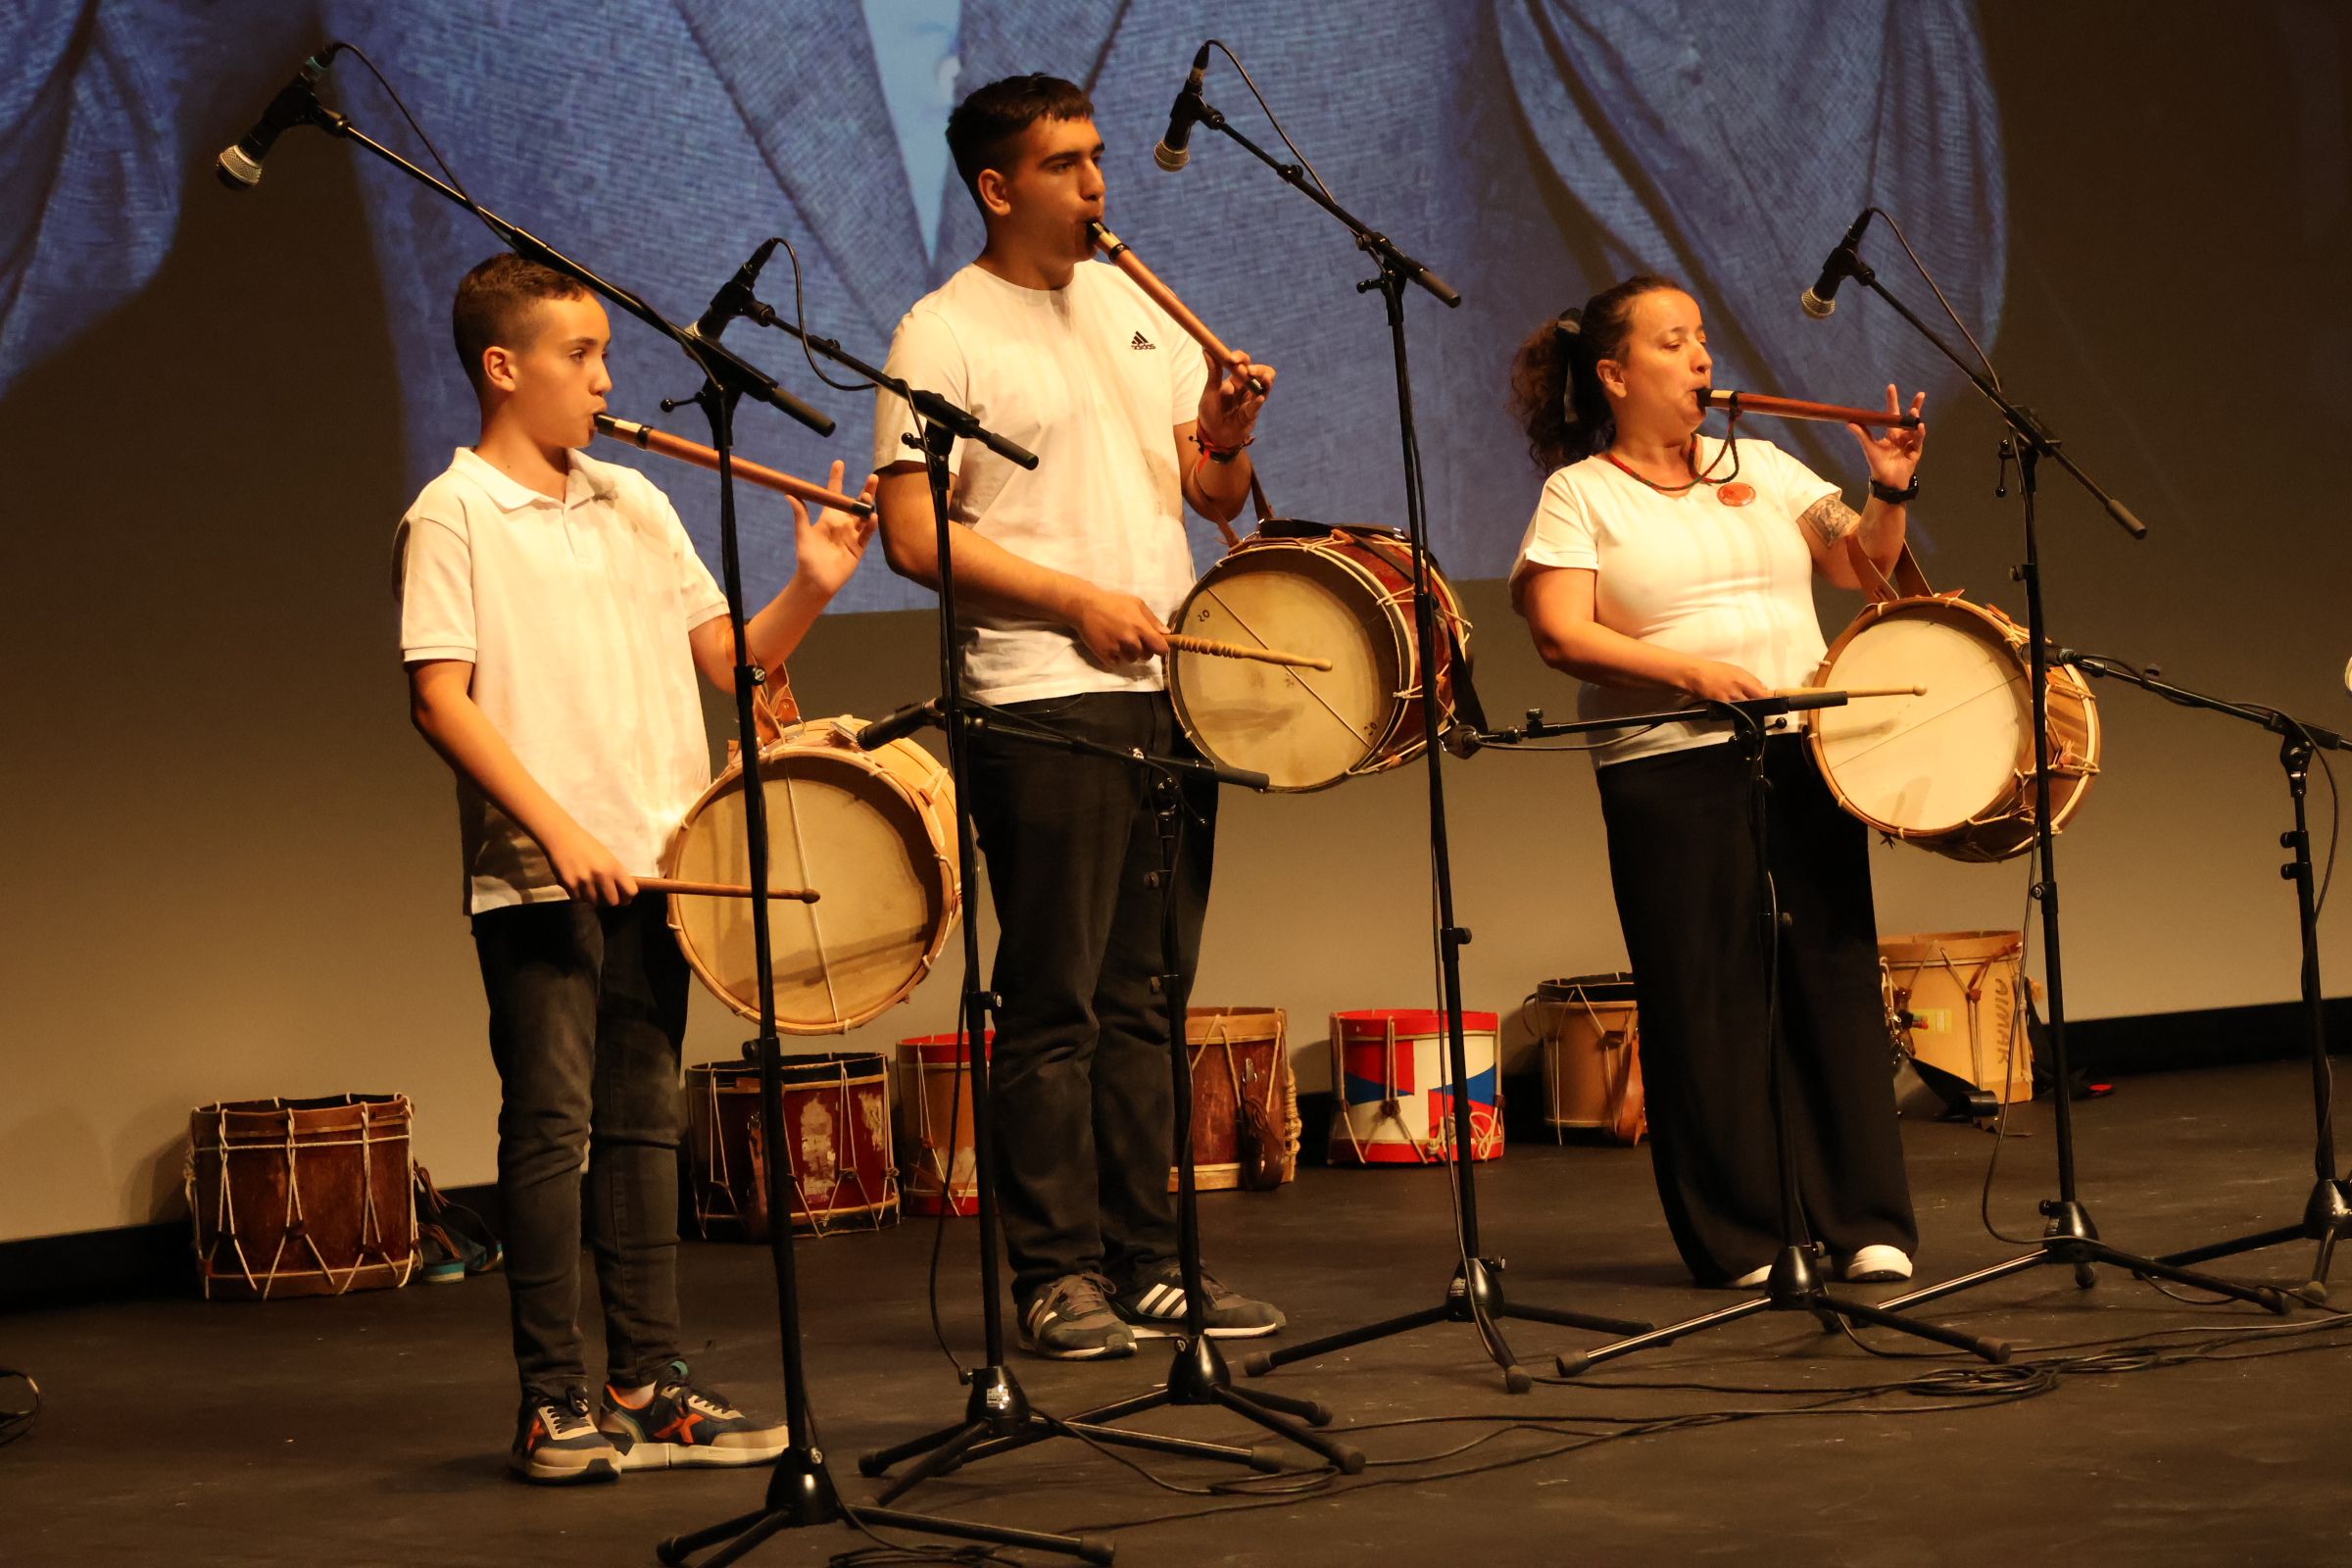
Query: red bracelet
1217,452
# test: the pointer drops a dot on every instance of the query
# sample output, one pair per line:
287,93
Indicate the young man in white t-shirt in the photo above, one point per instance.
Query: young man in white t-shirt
553,613
1065,577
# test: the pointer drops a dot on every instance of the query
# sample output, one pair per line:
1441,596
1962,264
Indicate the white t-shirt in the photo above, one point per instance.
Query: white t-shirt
1688,573
575,616
1094,378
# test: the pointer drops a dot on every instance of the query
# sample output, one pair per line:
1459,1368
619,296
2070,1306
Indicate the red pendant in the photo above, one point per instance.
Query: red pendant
1738,493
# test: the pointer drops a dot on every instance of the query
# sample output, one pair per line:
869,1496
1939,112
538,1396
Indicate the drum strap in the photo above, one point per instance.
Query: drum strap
1906,582
1257,500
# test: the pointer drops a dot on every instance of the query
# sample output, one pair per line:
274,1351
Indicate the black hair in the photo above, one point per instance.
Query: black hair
1555,386
495,302
990,117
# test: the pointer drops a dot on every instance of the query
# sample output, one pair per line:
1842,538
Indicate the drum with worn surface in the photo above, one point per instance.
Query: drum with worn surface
836,1145
1395,1090
1590,1033
1245,1101
1342,594
872,832
1952,769
937,1174
1953,1003
302,1197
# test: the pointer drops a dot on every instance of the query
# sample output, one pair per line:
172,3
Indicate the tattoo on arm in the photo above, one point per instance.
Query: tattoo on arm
1831,519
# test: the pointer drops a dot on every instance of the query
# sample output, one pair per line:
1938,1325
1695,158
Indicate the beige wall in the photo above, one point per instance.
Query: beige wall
232,868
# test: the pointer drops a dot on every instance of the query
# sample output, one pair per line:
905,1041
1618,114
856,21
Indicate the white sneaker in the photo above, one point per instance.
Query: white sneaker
1876,1265
1755,1279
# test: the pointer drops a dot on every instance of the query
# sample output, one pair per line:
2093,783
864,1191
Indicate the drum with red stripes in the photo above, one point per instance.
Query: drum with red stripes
1396,1088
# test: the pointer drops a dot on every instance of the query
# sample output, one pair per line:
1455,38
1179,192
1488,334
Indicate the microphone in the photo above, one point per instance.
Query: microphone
239,166
1790,702
1173,151
734,297
898,725
1821,300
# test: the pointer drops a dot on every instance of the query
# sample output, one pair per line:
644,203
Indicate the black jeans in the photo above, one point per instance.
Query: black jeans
1682,861
1081,1076
587,1011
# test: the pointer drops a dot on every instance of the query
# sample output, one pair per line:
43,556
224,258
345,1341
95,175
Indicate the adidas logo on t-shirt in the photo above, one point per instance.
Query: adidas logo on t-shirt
1139,341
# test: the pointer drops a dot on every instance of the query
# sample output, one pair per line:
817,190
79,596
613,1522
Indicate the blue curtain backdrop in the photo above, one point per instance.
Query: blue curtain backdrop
1530,150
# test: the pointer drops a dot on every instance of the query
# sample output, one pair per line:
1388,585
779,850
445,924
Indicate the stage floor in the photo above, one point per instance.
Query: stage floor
372,1429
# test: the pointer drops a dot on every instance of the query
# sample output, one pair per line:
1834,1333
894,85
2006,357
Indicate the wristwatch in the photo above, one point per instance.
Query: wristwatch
1894,496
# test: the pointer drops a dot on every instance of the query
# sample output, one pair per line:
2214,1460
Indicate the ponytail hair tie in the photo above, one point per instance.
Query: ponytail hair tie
1570,326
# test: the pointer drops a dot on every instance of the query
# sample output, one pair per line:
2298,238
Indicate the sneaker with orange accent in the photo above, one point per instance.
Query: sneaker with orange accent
672,1423
557,1443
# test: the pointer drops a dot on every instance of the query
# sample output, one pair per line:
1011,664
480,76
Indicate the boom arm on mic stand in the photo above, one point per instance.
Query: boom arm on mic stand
298,105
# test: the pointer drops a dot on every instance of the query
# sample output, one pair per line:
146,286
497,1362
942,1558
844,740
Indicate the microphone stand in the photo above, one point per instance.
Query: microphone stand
801,1492
1199,1375
1474,1294
1794,1285
2328,1212
2069,1237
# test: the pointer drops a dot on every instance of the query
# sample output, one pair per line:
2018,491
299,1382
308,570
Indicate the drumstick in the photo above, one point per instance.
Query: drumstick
1854,691
1264,656
721,890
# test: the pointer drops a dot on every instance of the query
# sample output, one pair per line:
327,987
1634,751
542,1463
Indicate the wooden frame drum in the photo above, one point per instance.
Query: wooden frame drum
1951,770
1240,1056
937,1172
872,832
1952,1001
836,1145
1590,1033
1342,594
302,1197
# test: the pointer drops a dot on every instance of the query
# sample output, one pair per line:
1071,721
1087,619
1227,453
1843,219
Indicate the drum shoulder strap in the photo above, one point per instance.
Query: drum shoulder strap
1906,581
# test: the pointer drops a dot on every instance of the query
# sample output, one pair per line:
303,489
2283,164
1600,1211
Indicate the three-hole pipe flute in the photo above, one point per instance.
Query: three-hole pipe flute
647,439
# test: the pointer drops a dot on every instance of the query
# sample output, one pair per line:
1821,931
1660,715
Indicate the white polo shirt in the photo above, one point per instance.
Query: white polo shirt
1691,574
575,616
1094,378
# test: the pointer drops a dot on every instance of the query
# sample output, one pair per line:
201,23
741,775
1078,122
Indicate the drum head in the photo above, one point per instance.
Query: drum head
1928,764
840,824
1305,729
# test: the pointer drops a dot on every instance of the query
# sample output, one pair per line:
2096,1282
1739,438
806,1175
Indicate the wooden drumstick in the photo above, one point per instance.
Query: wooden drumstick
1855,691
721,890
1264,656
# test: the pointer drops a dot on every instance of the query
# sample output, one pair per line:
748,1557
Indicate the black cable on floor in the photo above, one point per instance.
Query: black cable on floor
16,1423
1944,1390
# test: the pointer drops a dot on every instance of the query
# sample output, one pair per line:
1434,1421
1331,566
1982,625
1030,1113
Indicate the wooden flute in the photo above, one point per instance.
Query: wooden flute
1737,403
647,439
1122,255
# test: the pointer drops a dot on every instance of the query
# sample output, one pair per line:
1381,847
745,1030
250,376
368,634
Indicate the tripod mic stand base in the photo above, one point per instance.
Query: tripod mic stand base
2071,1238
1793,1285
997,1419
1473,1296
800,1495
2327,1220
1199,1376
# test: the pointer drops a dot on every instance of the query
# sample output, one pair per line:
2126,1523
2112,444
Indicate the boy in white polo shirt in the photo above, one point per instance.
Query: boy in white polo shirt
553,616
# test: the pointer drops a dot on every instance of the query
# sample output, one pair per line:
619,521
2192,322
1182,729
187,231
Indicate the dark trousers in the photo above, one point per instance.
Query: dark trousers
587,1011
1083,1090
1682,858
